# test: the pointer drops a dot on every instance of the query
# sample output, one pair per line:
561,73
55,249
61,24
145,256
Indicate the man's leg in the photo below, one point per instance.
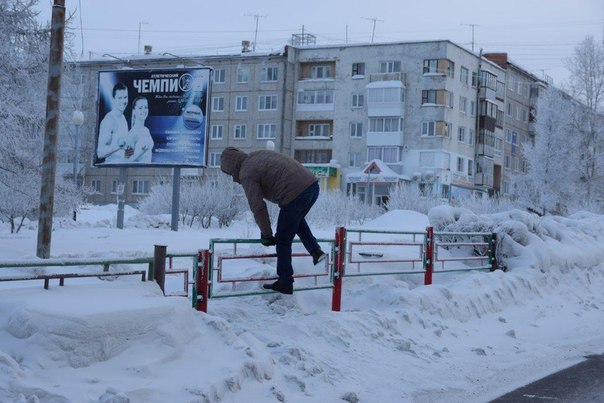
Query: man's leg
287,224
304,233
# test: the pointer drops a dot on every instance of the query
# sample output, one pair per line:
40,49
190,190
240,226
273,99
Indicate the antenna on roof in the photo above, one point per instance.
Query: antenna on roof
374,21
256,17
472,26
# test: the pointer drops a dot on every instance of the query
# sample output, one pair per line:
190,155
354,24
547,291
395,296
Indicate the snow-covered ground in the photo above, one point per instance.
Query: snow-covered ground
469,337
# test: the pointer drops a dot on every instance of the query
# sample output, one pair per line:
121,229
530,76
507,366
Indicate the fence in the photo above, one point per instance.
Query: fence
410,253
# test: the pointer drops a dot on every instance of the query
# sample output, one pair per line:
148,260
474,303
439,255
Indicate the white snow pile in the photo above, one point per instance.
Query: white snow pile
469,337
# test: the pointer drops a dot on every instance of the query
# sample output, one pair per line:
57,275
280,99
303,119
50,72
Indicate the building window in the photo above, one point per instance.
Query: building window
217,131
389,155
315,97
214,160
463,104
390,67
219,76
384,125
95,185
488,80
436,128
217,104
460,164
140,187
354,159
266,131
319,72
358,100
473,108
356,130
267,103
239,132
461,136
313,156
474,79
269,74
506,162
358,69
385,95
470,167
437,97
241,103
430,66
428,128
114,186
489,109
243,75
464,74
471,136
318,130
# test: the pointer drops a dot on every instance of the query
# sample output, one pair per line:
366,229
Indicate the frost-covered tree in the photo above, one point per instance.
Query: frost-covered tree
24,50
587,85
336,208
408,196
553,160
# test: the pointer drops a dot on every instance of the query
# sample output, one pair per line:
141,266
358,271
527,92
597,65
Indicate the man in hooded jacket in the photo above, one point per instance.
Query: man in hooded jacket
284,181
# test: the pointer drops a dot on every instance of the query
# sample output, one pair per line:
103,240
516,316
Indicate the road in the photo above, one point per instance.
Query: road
583,382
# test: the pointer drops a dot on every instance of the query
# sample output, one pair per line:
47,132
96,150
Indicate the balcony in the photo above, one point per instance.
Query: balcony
385,139
402,77
483,179
386,98
485,150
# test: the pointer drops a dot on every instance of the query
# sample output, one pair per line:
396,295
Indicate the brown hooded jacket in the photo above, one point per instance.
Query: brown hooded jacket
266,175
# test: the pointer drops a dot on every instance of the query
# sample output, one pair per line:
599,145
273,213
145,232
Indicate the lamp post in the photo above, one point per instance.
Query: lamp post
78,121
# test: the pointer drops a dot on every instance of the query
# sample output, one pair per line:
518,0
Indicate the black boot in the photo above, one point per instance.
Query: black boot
318,256
277,286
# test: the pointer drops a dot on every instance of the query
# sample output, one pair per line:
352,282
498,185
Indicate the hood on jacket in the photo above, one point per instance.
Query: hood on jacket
231,160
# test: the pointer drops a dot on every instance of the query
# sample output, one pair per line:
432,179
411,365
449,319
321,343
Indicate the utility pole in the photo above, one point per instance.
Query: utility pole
256,17
472,26
374,21
53,107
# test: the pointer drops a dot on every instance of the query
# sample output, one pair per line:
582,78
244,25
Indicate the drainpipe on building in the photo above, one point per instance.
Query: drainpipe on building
283,103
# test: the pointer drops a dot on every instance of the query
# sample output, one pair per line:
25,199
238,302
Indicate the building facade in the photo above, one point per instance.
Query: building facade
361,117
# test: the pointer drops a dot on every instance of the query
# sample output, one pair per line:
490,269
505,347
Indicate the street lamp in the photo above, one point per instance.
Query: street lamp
78,121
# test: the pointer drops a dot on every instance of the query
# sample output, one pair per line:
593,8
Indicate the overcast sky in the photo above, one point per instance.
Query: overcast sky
537,34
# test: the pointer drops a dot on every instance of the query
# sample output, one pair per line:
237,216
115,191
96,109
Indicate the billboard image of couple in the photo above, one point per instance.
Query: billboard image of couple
152,117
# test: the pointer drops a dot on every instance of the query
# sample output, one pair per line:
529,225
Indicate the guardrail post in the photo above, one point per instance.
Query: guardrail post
201,280
429,255
338,268
159,266
493,249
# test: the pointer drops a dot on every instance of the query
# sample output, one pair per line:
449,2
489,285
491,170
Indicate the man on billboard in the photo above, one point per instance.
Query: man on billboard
113,129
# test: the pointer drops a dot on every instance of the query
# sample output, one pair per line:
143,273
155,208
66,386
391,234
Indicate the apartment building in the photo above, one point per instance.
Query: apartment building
521,95
361,117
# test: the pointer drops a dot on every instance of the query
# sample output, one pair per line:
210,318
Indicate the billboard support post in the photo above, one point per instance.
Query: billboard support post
121,197
175,198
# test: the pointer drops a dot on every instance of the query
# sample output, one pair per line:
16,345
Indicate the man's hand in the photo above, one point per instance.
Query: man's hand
268,240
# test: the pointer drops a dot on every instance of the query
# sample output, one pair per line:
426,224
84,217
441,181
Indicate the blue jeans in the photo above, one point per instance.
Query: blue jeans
292,222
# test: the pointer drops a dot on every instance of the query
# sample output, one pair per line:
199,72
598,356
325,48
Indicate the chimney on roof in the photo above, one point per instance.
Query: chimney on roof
245,46
148,49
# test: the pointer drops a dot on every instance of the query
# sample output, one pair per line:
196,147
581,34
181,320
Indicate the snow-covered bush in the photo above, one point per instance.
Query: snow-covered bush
408,196
217,199
336,208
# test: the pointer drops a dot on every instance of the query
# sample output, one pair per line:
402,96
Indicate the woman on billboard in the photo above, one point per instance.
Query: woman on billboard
139,142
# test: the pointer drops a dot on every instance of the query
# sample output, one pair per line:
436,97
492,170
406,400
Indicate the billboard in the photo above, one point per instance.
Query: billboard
152,117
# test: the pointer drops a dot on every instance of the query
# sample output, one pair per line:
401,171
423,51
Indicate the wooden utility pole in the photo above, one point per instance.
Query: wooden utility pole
53,106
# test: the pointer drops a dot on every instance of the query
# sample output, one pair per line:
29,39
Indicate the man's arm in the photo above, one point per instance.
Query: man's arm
106,133
253,193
